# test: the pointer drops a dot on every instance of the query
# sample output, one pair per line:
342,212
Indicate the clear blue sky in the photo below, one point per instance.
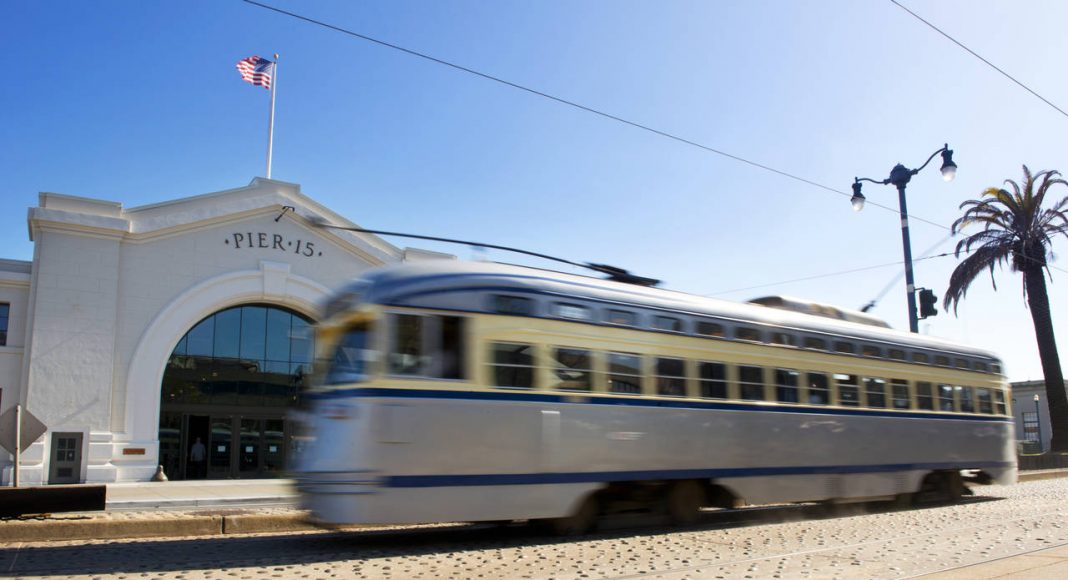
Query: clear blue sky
139,102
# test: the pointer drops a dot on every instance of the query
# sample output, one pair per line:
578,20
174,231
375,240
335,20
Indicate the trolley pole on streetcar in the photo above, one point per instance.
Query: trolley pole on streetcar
899,178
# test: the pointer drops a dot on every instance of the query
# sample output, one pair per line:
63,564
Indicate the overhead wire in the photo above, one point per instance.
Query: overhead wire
575,105
830,274
976,55
630,123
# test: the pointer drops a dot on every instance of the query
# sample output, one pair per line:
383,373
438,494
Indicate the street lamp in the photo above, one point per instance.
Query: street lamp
899,177
1038,423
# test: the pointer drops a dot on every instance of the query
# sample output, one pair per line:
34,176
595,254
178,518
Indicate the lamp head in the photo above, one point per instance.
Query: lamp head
949,169
858,198
1036,398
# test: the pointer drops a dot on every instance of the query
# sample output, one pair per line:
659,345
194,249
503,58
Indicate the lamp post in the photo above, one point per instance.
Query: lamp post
899,178
1038,423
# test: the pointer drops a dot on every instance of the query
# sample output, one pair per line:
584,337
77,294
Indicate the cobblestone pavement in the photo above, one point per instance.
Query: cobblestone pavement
786,542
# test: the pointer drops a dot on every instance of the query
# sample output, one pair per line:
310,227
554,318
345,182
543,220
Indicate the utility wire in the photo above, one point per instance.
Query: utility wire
575,105
973,53
831,274
632,124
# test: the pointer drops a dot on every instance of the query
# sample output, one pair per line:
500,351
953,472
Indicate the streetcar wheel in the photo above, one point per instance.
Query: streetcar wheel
903,501
582,521
953,486
684,502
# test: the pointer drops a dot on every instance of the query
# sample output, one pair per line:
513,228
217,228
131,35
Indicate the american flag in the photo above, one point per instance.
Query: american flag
256,70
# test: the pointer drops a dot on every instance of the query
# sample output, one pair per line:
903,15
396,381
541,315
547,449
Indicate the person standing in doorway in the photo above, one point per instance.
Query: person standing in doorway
197,455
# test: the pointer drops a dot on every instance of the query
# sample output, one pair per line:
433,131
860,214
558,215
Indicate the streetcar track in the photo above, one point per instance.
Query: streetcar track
369,545
857,545
950,569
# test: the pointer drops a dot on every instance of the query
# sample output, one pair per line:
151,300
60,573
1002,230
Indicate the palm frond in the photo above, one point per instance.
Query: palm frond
985,258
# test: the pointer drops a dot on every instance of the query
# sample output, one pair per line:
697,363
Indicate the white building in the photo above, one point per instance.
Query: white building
1030,410
135,332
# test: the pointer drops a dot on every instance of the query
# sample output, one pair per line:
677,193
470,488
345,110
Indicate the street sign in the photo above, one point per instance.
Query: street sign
32,428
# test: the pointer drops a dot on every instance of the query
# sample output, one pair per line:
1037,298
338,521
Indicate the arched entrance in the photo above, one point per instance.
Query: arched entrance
226,389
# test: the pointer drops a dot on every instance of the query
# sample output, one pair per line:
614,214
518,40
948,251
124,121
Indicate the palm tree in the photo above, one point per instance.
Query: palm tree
1018,231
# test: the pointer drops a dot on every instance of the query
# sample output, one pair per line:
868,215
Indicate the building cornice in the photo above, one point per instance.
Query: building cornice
261,197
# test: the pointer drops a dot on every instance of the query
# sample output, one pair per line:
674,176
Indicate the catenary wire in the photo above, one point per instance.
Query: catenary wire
973,53
607,116
576,105
829,274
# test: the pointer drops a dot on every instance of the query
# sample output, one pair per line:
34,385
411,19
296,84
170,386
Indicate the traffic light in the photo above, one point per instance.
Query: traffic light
927,303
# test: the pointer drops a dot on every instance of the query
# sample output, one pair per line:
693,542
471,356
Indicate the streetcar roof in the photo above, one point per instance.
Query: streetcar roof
398,284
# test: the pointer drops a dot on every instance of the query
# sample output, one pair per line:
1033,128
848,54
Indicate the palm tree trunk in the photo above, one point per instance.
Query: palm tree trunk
1038,301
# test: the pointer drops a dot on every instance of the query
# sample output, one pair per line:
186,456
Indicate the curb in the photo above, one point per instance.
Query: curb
1025,476
87,527
55,530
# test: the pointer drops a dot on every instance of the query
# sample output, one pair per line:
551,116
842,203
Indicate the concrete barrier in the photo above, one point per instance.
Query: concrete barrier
17,501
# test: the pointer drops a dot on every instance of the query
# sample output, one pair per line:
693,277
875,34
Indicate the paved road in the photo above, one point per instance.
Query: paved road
789,542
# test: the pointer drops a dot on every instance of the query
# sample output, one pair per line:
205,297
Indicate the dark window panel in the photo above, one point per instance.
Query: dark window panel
253,332
202,338
227,342
279,324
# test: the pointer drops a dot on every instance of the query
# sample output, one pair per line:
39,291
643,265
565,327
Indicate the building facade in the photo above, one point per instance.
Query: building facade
174,334
1030,410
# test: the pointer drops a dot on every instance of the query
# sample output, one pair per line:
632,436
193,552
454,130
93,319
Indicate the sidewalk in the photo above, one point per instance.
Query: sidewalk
202,508
172,508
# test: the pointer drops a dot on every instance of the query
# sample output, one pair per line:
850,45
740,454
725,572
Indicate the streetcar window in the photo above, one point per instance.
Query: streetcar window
573,369
963,364
511,365
783,338
815,343
407,356
747,333
428,346
899,394
986,403
818,391
667,323
896,354
967,399
622,317
351,357
924,398
450,350
786,386
920,357
945,398
1000,402
848,392
751,381
505,304
995,368
670,377
870,350
624,373
982,366
713,379
843,346
942,361
706,328
572,311
875,389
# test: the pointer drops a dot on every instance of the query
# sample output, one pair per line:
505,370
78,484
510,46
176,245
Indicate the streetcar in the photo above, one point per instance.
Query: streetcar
474,391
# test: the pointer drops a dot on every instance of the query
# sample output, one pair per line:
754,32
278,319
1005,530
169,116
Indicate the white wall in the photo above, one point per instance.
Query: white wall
113,290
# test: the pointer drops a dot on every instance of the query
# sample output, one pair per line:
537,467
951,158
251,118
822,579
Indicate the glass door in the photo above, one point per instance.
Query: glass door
248,456
220,450
274,456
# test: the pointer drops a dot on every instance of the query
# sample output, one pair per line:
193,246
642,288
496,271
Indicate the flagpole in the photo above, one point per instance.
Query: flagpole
270,124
